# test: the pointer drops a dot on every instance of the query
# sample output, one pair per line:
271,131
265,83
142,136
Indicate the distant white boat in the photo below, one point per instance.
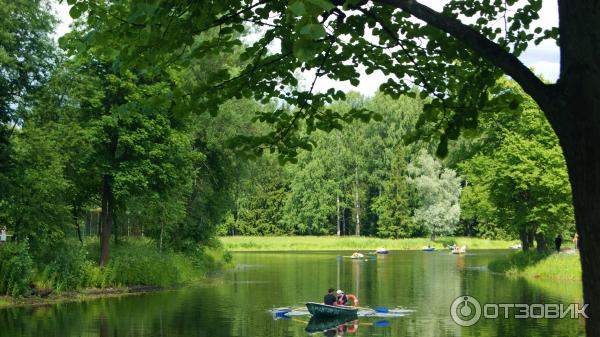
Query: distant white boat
459,250
428,249
381,250
516,247
357,256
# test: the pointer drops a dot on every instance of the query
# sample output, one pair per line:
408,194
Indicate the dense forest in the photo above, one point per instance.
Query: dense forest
97,154
367,179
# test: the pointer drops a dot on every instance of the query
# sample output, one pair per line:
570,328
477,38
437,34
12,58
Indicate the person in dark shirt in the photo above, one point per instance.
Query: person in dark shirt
329,299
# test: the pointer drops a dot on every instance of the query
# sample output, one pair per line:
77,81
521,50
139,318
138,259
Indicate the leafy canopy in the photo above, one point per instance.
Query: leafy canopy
332,38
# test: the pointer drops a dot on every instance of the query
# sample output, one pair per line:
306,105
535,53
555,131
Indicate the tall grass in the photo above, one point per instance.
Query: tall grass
555,266
4,302
138,262
133,262
287,243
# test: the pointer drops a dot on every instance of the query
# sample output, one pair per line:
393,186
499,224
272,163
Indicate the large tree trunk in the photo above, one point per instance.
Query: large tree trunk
106,218
577,124
583,161
524,239
582,152
540,239
530,237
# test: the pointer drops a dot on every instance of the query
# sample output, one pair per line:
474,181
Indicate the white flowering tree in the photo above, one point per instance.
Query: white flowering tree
438,195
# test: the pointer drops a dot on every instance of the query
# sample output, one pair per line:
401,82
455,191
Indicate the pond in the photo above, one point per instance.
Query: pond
421,286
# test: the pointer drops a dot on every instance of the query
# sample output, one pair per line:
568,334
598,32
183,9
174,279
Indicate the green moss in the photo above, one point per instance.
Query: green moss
287,243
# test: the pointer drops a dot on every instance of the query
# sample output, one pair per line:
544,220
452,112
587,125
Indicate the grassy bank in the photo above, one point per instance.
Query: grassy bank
289,243
72,272
561,266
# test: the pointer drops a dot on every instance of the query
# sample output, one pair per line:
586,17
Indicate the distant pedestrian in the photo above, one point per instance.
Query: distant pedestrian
557,242
576,241
3,235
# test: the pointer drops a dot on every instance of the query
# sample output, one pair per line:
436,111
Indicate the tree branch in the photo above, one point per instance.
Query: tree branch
542,93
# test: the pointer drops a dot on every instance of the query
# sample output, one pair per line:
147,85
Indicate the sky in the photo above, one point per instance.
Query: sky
544,59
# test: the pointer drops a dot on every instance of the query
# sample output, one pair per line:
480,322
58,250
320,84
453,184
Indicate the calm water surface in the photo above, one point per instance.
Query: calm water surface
238,303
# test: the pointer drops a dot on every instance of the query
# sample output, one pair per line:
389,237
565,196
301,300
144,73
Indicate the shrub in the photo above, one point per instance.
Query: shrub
67,269
16,269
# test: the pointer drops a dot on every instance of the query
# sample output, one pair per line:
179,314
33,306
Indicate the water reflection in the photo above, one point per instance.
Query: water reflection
336,324
238,304
103,326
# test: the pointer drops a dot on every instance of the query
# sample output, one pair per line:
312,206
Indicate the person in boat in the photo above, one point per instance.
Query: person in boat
329,299
342,299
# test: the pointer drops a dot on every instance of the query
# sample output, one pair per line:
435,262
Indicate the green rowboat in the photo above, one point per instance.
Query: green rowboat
323,310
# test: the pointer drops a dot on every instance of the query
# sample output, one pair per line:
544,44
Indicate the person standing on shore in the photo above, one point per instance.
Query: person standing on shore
3,235
576,241
558,242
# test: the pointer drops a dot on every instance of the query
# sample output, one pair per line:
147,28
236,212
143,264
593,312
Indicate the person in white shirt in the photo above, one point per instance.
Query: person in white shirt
3,235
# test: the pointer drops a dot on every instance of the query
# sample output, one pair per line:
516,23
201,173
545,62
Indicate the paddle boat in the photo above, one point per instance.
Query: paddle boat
324,310
459,250
357,256
515,247
381,250
428,249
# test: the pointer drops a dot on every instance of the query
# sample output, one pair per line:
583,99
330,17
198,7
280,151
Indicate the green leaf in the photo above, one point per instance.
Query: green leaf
297,8
78,9
313,30
326,5
304,49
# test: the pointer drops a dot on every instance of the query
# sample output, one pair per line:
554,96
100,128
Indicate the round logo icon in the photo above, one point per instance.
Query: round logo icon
465,310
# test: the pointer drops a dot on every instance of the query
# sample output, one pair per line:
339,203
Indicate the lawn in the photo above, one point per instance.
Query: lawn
290,243
561,266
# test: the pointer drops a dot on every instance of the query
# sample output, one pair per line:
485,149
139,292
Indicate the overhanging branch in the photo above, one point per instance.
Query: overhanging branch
494,53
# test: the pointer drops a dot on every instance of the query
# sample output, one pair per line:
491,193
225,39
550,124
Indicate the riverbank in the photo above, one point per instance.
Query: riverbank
352,243
136,266
74,296
563,266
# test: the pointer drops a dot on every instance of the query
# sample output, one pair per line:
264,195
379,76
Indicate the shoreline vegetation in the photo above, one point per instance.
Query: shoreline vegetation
137,266
315,243
563,266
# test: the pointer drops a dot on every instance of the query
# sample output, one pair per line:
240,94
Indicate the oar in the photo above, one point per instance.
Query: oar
379,310
381,323
378,323
281,312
